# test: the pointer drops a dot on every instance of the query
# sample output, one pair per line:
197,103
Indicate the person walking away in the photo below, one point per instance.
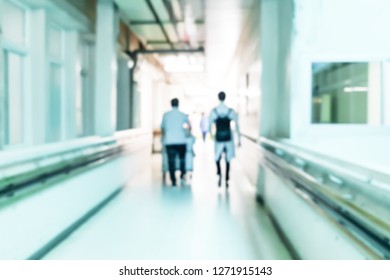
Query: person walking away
222,116
174,128
204,126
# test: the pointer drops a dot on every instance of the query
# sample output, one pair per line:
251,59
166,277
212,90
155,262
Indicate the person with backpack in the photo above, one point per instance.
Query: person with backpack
222,117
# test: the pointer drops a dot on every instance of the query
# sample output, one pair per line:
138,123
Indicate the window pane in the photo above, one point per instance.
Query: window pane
386,78
13,99
55,43
346,93
79,99
13,21
54,111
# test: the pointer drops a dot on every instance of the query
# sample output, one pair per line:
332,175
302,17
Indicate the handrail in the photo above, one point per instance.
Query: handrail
332,189
66,161
359,172
94,143
81,144
365,227
342,175
249,137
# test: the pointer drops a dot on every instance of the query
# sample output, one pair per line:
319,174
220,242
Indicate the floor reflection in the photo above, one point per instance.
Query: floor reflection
198,221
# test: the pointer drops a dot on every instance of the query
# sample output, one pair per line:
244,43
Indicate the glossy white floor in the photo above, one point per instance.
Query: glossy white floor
200,221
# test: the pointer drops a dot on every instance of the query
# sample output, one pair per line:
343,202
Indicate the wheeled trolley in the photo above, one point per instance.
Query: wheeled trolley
189,159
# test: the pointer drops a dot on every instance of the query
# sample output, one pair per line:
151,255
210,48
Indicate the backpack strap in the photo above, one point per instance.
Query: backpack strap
230,110
216,112
227,114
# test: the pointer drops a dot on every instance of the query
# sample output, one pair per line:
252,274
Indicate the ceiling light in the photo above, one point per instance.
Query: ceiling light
355,89
184,68
130,64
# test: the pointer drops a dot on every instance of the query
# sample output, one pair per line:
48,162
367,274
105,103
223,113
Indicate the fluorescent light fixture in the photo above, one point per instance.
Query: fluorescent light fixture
355,89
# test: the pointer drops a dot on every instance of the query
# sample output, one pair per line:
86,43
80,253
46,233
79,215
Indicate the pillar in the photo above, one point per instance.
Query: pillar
106,68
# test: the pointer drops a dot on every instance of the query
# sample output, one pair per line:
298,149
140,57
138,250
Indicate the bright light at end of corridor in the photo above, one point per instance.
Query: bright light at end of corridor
184,68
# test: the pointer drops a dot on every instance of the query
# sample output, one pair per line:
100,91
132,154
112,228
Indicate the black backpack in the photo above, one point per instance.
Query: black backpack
222,123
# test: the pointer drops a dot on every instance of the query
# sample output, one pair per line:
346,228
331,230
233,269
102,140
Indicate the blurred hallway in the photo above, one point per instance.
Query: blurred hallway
198,221
84,86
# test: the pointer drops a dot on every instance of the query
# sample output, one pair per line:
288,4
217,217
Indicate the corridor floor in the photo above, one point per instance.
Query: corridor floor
198,221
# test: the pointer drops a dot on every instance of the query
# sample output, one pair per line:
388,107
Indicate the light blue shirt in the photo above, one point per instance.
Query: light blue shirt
175,125
204,124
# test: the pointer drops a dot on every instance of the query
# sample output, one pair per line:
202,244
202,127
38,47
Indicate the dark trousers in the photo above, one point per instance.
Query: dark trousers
173,151
227,167
204,134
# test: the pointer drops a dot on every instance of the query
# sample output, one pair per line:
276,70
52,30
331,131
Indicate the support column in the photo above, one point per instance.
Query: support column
275,32
106,68
123,99
269,41
132,94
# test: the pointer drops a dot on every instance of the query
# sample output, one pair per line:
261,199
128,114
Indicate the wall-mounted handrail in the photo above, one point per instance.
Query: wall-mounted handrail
348,177
324,185
361,173
64,161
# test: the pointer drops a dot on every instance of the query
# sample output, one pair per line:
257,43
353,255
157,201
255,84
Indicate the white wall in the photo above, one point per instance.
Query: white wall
31,221
313,236
146,88
332,30
161,103
294,34
154,92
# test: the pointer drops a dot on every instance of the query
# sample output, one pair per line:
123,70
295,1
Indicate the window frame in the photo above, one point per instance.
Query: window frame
21,50
302,126
58,62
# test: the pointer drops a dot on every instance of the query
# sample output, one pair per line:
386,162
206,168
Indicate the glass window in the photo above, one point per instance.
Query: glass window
13,23
386,77
13,99
55,43
82,87
54,110
346,93
84,94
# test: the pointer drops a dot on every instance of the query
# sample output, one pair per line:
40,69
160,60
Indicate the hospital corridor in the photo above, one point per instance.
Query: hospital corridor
194,130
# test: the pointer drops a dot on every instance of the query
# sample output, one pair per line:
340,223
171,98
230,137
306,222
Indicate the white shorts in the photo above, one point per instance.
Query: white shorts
228,147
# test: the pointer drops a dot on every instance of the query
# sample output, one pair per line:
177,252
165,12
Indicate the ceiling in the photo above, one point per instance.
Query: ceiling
189,24
166,24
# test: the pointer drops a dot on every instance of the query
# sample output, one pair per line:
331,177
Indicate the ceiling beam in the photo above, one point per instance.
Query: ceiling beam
158,20
153,22
153,42
172,17
199,50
